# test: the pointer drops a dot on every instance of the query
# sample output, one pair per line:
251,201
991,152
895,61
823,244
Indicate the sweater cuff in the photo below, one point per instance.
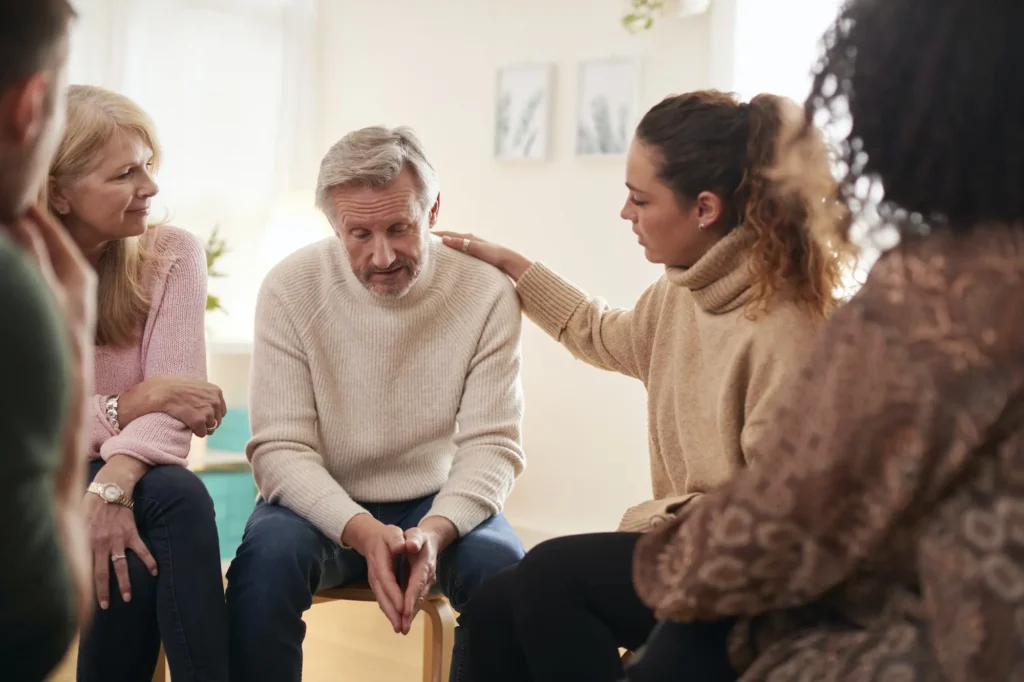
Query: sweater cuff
649,515
461,511
332,513
548,299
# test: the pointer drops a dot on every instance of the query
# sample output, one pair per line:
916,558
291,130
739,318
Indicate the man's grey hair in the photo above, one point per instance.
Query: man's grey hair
373,157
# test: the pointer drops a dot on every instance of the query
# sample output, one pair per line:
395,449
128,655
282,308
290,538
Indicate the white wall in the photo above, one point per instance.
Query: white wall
763,63
432,65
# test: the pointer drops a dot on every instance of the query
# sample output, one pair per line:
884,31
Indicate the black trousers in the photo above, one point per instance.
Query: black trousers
563,613
183,606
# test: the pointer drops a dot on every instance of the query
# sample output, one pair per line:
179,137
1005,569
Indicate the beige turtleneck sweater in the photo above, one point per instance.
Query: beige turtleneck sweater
711,372
357,398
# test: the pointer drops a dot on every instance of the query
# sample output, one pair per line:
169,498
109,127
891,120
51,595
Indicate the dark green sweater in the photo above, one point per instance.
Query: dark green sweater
36,610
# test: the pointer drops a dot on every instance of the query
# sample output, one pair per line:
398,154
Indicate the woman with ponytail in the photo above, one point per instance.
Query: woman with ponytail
745,288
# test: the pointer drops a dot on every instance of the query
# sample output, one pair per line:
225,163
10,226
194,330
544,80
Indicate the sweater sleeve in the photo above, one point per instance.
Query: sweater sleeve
173,342
865,440
612,339
285,446
489,453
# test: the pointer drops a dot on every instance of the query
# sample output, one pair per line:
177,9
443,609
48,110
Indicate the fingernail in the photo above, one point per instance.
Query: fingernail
126,596
104,605
154,572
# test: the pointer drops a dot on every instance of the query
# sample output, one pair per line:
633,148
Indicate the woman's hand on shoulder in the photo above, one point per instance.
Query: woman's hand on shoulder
508,261
197,404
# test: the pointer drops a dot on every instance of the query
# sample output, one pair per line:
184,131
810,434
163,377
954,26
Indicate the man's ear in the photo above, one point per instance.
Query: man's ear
23,109
435,210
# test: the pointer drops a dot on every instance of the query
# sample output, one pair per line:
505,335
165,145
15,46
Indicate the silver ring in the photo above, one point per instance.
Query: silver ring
465,246
117,557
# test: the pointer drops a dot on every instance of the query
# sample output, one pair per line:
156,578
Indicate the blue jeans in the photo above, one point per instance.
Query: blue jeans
283,560
183,606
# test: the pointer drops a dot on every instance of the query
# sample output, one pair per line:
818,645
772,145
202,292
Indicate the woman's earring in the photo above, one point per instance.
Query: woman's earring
701,227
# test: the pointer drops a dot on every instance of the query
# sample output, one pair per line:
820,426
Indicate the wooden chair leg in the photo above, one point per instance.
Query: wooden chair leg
438,640
160,674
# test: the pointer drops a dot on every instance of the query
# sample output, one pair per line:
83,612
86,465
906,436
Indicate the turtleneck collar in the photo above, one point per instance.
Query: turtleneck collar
416,292
720,281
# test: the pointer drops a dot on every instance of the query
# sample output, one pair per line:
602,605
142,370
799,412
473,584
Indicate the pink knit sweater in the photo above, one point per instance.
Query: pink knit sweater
172,341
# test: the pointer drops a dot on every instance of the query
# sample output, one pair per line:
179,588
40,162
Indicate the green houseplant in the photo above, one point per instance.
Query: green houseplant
215,249
641,14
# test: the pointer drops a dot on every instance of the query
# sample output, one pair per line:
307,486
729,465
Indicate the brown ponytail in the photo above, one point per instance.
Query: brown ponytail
708,141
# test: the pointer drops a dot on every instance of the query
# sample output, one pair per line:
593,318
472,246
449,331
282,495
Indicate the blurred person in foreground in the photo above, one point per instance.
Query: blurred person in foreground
880,534
47,300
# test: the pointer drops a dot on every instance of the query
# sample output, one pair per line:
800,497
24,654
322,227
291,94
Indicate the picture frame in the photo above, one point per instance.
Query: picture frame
524,97
607,106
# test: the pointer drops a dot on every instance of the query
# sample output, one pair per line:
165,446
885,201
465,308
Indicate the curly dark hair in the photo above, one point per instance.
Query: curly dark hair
927,99
710,141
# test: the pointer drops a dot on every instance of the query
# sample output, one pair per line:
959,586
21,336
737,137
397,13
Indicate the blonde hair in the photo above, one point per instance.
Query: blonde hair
94,116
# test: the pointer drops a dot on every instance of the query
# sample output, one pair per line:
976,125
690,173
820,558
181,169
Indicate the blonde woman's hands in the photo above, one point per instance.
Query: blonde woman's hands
197,404
112,530
508,261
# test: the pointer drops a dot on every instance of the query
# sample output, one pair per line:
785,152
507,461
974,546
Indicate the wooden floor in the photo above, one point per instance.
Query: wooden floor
345,642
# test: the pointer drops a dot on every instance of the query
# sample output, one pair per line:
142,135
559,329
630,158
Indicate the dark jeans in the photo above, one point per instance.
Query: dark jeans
561,615
183,606
283,560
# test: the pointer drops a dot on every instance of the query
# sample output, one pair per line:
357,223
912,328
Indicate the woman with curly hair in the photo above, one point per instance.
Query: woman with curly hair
881,534
744,292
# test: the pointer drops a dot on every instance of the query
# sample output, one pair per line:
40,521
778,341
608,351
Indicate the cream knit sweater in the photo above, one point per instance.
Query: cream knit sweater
711,372
357,398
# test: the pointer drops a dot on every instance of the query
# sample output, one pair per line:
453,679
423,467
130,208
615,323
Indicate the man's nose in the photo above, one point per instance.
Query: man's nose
383,254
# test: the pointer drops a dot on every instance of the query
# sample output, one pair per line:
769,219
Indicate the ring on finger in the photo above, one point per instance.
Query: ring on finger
117,557
465,245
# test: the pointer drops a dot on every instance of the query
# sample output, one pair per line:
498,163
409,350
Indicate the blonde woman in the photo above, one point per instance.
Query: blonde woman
150,520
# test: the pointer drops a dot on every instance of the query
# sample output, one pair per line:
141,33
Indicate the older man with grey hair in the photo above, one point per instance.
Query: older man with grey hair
386,412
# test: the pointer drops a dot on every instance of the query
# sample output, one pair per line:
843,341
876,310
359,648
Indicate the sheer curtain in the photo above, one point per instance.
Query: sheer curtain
232,87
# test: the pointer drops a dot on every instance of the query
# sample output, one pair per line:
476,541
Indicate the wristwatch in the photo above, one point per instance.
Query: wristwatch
111,409
111,493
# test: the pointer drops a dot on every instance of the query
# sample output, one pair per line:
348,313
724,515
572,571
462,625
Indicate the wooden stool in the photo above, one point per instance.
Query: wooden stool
160,674
438,636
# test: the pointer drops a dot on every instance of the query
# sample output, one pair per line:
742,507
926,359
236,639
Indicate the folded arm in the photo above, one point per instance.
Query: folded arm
173,342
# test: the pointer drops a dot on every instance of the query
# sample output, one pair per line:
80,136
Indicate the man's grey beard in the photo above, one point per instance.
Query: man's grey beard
413,268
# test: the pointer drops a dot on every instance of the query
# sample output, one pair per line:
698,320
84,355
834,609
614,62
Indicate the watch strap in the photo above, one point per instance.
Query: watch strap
122,499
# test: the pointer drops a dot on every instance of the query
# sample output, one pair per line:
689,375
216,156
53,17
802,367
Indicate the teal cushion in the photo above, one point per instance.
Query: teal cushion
233,433
234,496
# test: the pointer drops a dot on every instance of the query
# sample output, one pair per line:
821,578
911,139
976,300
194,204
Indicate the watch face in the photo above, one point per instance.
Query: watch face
110,492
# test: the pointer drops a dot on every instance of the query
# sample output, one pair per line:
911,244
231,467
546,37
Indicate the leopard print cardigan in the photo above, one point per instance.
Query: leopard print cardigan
879,534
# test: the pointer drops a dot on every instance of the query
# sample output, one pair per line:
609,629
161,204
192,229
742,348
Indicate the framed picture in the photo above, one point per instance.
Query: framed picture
522,119
608,94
